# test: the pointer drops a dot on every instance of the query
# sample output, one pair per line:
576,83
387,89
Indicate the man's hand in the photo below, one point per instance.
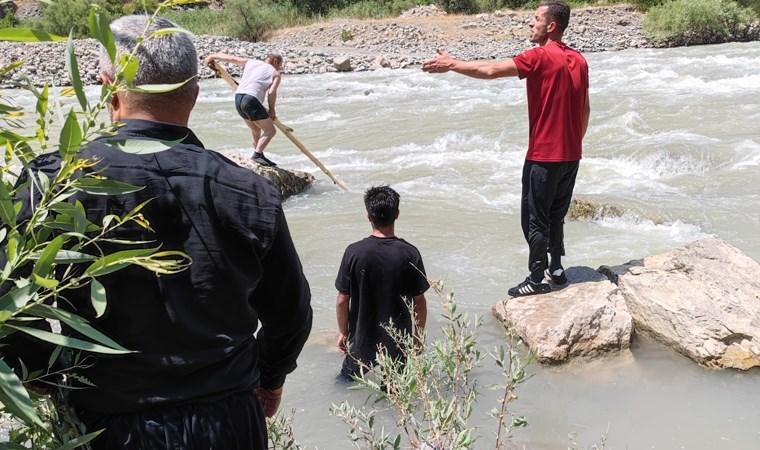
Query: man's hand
209,59
343,344
270,400
440,64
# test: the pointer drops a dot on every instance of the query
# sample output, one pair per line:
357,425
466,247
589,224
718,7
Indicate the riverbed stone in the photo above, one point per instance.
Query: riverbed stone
342,63
289,182
703,300
587,318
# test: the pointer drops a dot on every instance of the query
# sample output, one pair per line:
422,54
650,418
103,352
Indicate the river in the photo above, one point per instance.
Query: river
673,139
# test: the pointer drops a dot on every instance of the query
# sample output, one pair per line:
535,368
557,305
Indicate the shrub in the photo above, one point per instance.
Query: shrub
459,6
247,20
199,21
64,15
645,5
754,4
9,21
141,7
363,10
685,22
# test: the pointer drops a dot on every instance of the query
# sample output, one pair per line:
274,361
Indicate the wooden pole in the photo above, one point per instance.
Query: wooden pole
287,131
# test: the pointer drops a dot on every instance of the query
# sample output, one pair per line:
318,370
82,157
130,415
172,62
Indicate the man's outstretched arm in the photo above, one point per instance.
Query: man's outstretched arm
476,69
225,58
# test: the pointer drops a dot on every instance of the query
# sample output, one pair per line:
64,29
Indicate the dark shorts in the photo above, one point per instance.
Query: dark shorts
232,423
250,108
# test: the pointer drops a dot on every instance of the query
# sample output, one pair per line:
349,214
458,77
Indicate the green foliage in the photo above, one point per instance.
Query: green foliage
430,396
9,21
316,7
280,432
246,20
685,22
141,7
459,6
62,16
243,19
754,4
645,5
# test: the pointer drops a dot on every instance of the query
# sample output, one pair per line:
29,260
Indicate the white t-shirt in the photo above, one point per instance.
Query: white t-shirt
256,79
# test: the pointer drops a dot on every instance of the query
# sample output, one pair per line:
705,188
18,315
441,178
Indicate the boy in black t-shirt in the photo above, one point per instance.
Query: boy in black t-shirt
377,276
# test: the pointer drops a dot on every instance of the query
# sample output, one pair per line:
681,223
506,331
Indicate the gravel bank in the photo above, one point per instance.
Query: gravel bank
352,45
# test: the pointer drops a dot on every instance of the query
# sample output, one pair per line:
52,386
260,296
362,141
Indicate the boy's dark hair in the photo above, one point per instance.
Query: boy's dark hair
382,205
559,11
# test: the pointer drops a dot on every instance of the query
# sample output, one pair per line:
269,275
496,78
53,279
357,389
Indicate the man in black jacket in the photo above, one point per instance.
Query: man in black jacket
200,376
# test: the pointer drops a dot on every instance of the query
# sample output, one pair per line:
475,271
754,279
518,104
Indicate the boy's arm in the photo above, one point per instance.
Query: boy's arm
341,310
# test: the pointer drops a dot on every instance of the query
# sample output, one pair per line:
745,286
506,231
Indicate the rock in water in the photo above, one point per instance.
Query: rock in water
703,300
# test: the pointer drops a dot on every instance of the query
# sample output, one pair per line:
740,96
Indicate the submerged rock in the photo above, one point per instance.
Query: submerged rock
703,300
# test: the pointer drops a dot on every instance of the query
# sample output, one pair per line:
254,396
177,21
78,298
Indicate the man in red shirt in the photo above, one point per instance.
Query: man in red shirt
558,113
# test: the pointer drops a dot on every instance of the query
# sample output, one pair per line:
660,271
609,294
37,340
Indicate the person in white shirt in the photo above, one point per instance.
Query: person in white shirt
259,78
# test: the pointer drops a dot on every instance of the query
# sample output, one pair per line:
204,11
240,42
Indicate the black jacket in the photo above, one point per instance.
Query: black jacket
193,331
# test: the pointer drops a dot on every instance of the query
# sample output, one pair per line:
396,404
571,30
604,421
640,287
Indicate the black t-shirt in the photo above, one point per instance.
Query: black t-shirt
378,274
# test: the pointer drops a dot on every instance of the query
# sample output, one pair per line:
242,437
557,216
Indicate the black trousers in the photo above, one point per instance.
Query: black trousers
232,423
547,189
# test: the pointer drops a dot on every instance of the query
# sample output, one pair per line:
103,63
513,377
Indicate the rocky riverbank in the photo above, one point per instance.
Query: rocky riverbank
360,45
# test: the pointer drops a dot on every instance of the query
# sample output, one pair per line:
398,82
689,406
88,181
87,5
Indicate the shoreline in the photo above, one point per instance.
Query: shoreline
361,45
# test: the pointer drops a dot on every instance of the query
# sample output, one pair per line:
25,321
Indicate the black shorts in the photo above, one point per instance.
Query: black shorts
250,108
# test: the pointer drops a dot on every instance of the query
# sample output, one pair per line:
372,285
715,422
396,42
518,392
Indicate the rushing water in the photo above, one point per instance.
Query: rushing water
673,138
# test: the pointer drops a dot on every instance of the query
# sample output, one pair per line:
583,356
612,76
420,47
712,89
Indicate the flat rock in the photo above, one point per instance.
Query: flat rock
587,318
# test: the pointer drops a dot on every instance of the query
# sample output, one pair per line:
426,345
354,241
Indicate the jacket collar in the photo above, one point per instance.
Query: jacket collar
148,129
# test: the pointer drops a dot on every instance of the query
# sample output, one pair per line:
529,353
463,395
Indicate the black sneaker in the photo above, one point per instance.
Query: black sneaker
557,277
261,159
269,161
528,287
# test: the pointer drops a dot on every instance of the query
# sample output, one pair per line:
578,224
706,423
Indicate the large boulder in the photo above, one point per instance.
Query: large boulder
289,182
703,300
587,318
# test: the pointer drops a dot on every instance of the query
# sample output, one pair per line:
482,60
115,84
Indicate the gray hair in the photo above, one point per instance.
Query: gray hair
274,56
166,59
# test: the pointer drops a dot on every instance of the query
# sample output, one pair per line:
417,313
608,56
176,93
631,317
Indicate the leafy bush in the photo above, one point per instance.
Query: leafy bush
459,6
688,22
645,5
247,20
141,7
366,9
754,4
64,15
9,21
